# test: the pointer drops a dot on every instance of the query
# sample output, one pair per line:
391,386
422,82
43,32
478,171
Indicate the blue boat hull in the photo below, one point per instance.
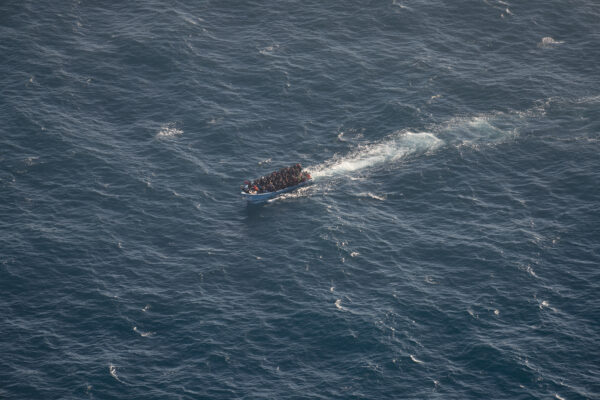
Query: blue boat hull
262,197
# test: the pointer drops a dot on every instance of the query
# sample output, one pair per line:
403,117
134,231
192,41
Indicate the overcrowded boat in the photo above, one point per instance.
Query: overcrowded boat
282,181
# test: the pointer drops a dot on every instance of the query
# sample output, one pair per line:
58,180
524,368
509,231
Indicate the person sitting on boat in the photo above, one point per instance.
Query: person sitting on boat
246,186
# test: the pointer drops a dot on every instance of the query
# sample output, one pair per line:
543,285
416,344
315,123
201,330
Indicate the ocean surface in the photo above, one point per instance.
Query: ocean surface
449,247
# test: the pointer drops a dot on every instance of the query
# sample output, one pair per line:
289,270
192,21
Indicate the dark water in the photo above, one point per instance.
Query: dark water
449,247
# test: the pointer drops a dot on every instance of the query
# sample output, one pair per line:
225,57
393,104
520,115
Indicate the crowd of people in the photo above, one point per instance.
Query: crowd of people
277,180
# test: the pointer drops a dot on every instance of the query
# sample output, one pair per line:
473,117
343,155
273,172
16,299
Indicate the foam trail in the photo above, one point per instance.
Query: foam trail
482,130
477,131
389,150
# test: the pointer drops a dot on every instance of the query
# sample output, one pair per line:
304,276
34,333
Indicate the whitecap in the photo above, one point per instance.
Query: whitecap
402,6
549,42
531,272
113,372
169,130
265,161
376,197
268,50
338,304
142,334
415,359
189,20
434,97
546,304
29,161
558,397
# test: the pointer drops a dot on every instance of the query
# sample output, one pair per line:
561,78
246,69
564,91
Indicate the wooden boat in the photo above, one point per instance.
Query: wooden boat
262,197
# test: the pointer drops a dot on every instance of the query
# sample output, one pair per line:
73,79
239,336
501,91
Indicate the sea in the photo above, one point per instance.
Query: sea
447,248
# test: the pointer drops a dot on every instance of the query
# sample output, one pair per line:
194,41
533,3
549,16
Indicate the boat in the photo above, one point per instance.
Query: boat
257,192
262,197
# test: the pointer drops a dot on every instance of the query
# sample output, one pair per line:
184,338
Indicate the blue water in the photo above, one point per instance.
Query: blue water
449,247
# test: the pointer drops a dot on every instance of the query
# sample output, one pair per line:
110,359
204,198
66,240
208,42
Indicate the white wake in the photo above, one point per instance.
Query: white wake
392,149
